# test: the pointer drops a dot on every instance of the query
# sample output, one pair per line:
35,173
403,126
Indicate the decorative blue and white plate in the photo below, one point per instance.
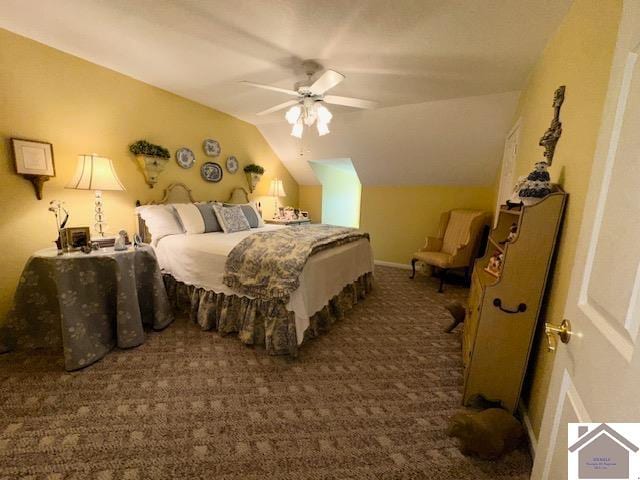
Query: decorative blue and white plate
185,158
232,164
211,147
211,172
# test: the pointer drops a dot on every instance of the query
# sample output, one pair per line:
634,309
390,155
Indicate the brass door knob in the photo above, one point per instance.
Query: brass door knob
563,331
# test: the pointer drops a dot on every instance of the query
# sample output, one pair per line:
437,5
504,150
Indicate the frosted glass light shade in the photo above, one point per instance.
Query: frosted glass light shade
323,128
324,115
293,114
95,173
296,131
276,189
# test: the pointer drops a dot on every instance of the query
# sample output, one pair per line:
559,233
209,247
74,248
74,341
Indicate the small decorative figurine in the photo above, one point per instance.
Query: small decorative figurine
537,185
137,241
495,263
121,241
513,231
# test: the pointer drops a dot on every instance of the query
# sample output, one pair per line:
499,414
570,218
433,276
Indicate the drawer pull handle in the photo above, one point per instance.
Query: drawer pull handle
498,303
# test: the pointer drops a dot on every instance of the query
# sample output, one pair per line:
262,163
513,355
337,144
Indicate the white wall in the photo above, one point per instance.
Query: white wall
447,142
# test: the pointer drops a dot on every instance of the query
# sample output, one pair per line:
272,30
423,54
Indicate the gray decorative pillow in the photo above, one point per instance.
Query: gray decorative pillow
231,219
210,220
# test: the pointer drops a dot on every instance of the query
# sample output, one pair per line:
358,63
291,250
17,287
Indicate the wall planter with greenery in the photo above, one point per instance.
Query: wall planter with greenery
152,159
254,173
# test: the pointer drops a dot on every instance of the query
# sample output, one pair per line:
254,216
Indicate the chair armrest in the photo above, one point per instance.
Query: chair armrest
432,244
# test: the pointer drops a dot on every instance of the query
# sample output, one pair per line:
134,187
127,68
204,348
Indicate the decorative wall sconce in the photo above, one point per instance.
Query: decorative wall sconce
254,174
152,159
151,167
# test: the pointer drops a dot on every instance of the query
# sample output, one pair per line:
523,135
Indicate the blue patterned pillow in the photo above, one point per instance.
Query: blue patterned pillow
251,212
231,219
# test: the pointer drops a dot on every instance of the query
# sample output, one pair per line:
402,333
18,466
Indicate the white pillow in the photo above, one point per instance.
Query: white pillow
190,217
161,221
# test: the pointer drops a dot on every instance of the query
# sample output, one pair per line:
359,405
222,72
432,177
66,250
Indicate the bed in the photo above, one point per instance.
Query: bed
330,284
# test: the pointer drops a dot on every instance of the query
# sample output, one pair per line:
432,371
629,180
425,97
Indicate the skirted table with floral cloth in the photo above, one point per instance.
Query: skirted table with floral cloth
86,304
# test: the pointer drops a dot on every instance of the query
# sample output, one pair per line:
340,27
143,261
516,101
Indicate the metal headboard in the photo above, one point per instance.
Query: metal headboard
180,193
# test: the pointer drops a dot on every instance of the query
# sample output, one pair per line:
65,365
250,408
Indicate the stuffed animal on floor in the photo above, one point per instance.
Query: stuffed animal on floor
488,434
458,313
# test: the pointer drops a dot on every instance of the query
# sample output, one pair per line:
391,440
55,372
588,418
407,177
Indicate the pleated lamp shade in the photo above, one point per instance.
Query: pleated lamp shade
276,189
95,173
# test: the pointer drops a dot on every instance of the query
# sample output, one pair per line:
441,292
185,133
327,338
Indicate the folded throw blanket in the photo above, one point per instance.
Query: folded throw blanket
269,264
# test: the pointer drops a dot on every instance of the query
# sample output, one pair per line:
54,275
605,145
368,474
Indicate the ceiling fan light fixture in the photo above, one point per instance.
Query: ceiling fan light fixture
309,116
293,114
323,128
296,131
323,113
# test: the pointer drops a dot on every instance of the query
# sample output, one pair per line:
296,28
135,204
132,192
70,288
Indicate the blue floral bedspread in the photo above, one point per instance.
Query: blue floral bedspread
269,264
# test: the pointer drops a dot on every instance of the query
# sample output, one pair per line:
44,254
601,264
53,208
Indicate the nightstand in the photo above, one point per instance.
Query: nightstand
83,305
299,221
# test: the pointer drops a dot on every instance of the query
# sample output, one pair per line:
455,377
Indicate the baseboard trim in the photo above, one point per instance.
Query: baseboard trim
403,266
533,441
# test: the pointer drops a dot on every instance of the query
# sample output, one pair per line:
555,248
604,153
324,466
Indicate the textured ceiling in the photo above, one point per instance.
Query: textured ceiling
395,52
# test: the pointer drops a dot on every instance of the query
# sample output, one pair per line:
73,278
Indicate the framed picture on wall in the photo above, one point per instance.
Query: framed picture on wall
33,157
34,161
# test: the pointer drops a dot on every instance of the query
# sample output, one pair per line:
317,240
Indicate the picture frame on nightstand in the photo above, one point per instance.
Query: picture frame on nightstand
74,238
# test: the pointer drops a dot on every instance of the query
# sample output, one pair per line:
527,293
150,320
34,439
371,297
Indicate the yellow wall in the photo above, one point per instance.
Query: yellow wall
578,56
399,218
310,200
80,107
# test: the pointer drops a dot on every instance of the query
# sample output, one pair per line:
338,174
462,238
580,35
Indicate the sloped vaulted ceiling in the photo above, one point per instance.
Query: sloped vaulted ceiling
409,55
454,142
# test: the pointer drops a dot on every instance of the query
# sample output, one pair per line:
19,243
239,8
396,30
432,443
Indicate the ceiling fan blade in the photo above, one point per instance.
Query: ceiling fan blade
278,107
269,87
349,101
327,80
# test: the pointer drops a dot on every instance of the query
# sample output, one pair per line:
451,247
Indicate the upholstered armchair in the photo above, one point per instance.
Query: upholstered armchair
456,244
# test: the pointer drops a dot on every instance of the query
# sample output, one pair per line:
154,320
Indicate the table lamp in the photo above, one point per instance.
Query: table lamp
276,190
96,173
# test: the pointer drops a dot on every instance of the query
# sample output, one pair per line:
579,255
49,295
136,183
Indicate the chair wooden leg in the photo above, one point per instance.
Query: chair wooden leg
413,268
443,274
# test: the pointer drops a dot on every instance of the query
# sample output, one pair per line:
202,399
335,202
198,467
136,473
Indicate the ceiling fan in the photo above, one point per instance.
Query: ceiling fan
309,106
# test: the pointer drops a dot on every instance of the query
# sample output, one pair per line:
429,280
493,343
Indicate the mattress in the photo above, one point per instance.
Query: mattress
199,260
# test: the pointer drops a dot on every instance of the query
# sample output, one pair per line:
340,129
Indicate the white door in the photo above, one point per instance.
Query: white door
508,170
596,376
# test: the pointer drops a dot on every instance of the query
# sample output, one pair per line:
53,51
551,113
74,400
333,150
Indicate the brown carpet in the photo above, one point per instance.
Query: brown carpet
371,399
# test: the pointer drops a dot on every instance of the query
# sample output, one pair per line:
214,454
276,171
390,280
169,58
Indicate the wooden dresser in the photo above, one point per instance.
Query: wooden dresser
503,309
